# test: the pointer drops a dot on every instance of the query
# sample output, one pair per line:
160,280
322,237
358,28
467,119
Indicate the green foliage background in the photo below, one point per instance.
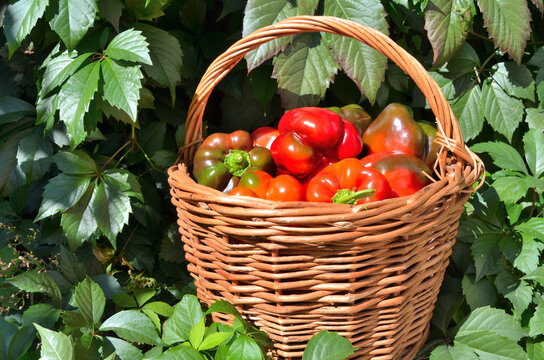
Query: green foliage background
93,99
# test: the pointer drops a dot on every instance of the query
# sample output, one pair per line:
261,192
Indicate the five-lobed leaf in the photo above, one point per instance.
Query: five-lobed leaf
73,20
20,18
122,86
304,71
130,45
364,65
515,79
468,110
508,24
447,23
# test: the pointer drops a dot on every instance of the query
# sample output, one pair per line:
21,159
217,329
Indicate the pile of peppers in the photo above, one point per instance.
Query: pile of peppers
337,154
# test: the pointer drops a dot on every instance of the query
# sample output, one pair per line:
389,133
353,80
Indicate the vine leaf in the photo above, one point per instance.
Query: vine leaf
166,56
19,19
364,65
304,71
122,86
503,112
90,300
59,69
111,10
328,345
124,349
533,142
132,326
447,23
34,155
540,5
258,14
536,324
74,99
55,345
40,282
515,79
503,155
468,110
73,20
507,23
456,352
129,45
78,222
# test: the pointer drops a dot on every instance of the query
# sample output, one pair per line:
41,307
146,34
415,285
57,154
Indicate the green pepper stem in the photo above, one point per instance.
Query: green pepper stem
237,162
347,196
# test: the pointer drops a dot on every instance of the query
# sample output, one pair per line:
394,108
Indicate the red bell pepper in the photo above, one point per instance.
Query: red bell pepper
311,138
260,184
405,173
348,182
264,136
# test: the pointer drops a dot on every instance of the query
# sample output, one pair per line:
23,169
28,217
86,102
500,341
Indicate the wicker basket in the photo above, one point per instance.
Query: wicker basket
295,268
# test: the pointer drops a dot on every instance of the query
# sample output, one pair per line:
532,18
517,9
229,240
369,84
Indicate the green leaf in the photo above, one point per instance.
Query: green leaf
490,346
122,86
535,118
147,10
478,293
304,71
213,340
44,314
181,352
132,326
34,281
533,142
456,352
76,162
447,23
46,110
364,65
74,99
166,56
125,350
503,155
74,320
90,300
528,259
503,112
536,324
78,222
537,275
73,20
259,14
70,266
491,320
521,297
19,19
11,175
263,87
507,23
124,300
469,113
21,341
154,317
245,348
61,68
13,109
535,350
7,331
225,307
129,45
327,346
534,227
143,295
485,251
511,188
196,335
187,313
55,345
62,193
160,308
111,10
34,155
515,79
111,207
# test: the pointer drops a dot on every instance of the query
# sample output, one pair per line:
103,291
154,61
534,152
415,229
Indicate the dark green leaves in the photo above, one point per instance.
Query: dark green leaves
508,24
19,19
304,71
33,281
13,109
90,300
327,346
447,23
364,65
73,20
166,56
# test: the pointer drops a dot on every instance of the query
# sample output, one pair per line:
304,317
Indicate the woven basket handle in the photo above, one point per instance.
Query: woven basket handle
449,134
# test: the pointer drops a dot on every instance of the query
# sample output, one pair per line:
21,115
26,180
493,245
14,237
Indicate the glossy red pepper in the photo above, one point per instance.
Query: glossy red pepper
310,138
221,158
395,130
264,136
348,182
355,114
260,184
405,173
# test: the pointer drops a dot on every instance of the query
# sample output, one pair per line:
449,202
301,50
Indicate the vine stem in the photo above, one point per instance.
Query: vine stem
480,36
113,156
485,63
534,202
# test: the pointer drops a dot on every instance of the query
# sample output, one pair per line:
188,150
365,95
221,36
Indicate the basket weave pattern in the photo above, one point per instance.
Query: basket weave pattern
370,273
